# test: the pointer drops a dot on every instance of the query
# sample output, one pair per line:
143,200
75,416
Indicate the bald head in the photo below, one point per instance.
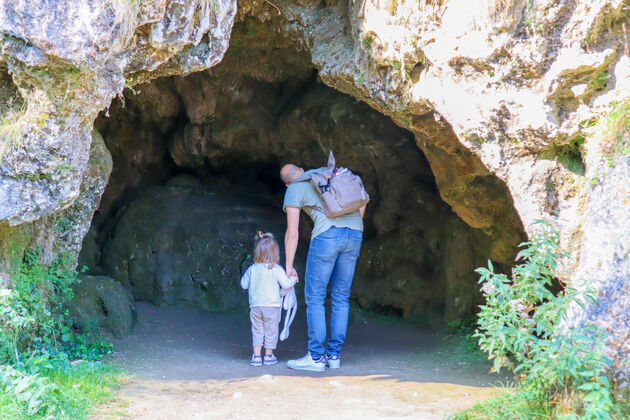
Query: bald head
289,172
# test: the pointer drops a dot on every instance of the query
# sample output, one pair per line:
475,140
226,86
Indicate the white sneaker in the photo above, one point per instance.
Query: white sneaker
333,361
308,363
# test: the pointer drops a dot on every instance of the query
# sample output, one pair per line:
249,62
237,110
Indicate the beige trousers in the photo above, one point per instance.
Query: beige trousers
265,320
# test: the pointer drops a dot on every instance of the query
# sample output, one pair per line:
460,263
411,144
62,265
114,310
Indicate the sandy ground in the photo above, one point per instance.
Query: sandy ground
184,363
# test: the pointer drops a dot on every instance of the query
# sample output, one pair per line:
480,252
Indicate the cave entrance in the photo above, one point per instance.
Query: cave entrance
196,163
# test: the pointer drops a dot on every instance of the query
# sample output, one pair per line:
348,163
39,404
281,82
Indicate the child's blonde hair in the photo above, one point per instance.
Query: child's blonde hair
266,249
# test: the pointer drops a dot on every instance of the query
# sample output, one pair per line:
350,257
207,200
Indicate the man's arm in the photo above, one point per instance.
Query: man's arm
362,210
291,238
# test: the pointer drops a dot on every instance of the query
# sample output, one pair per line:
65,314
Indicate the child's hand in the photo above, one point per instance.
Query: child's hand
292,273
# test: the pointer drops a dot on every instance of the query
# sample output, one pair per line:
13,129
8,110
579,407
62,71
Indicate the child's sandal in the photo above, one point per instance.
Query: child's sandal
256,360
270,359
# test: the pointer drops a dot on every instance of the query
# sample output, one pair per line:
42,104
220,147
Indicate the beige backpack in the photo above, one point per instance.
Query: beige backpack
342,192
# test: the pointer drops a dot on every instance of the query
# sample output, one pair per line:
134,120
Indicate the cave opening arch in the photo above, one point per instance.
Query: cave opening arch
196,161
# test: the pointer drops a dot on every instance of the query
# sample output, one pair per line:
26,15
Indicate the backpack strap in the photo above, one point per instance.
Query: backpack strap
318,176
306,176
331,162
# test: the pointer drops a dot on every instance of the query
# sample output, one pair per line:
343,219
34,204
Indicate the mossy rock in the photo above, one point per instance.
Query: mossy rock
100,302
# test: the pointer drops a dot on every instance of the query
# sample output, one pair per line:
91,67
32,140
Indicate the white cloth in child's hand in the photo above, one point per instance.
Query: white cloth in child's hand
289,303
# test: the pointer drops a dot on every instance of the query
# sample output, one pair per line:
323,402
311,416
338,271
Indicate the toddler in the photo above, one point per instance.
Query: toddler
264,280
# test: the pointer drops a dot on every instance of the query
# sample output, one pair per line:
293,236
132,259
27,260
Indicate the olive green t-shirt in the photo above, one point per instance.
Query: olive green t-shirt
304,196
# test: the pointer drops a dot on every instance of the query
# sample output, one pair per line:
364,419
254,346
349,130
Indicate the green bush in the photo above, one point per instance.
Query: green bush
32,317
60,392
559,371
37,343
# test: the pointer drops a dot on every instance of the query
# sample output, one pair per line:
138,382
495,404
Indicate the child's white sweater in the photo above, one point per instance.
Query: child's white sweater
264,284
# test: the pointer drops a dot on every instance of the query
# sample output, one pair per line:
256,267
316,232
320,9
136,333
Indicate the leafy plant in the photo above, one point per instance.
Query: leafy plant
55,391
399,67
367,41
522,326
32,393
599,82
37,343
570,155
130,85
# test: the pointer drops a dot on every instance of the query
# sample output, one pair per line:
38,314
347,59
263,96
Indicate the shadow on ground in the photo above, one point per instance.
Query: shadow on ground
189,344
187,363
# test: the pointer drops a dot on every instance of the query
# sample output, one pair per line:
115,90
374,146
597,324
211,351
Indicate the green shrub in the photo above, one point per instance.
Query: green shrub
559,371
32,314
55,391
37,345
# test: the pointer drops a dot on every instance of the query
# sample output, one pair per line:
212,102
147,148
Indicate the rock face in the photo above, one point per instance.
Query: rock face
68,63
62,231
182,243
500,96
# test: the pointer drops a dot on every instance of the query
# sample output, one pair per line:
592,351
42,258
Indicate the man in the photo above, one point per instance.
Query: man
332,256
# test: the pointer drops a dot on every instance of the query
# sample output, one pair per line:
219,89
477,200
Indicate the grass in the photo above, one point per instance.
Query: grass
509,405
79,389
10,132
518,405
125,18
86,386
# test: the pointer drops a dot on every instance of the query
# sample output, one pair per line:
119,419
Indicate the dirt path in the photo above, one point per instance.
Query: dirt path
185,363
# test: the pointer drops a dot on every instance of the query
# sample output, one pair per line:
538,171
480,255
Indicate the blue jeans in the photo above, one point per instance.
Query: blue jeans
332,256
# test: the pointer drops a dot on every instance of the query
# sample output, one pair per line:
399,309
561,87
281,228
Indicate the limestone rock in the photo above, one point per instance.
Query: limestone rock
604,265
68,61
64,231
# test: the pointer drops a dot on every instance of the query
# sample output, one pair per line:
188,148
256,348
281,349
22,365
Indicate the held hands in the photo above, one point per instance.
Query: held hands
292,273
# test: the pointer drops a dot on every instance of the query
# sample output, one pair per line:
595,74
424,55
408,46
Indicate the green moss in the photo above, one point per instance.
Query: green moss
63,224
13,241
599,81
34,177
358,79
568,155
614,132
367,41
